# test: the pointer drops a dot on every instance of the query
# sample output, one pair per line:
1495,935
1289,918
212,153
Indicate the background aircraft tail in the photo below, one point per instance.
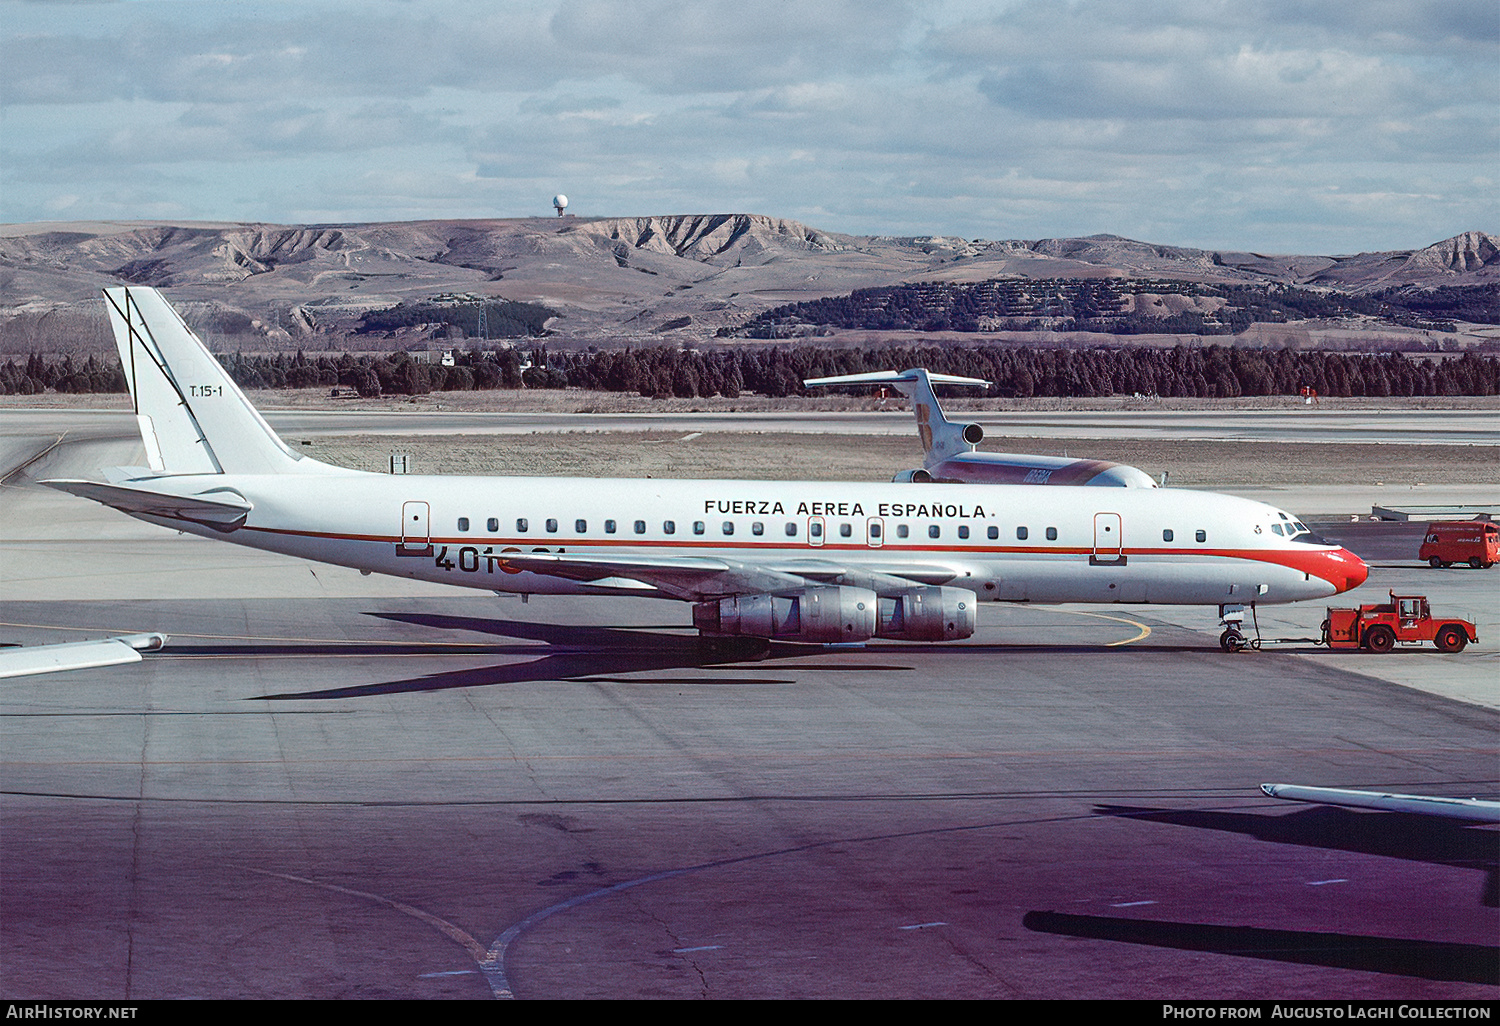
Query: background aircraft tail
193,418
941,437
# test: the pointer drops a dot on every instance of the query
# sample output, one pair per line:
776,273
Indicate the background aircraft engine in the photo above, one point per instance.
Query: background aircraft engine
813,614
973,434
928,614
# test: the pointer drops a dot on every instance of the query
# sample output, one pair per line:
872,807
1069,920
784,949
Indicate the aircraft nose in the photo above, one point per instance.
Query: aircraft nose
1351,568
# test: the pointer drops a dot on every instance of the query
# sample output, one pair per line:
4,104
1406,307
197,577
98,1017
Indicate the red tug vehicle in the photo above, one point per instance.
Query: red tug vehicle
1405,618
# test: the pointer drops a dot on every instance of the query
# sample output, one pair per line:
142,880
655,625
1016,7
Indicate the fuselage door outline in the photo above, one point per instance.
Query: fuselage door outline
1109,540
416,531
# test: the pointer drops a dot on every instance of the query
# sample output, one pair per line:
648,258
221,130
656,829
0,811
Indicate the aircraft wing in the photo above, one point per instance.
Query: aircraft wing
21,661
697,578
223,509
1473,810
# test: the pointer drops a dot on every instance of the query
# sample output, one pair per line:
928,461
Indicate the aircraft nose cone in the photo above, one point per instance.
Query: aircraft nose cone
1354,570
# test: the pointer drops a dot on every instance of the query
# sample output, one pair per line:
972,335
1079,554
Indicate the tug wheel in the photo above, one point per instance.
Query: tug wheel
1451,639
1380,639
1434,562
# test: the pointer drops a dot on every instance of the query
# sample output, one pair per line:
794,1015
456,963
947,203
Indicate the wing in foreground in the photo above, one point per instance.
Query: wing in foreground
1473,810
77,655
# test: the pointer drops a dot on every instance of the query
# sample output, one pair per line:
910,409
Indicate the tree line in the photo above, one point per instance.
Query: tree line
664,371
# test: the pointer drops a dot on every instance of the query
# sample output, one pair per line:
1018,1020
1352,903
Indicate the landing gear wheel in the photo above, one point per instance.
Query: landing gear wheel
1451,639
1434,562
1231,641
1380,639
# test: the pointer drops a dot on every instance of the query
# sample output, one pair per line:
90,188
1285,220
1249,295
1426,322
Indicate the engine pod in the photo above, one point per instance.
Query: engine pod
928,614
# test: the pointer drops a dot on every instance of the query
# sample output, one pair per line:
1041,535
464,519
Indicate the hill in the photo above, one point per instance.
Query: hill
605,281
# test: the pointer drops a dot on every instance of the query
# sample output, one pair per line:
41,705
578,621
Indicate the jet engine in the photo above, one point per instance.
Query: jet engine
928,614
828,614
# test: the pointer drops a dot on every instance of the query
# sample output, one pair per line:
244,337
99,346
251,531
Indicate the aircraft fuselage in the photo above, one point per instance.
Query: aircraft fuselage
1004,542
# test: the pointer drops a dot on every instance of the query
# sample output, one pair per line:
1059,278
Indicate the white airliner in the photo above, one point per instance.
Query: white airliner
950,447
816,562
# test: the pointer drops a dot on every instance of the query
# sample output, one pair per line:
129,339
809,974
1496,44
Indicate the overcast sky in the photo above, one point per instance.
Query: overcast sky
1310,126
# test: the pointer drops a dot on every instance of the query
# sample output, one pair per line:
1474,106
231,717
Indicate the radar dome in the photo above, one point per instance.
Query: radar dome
559,201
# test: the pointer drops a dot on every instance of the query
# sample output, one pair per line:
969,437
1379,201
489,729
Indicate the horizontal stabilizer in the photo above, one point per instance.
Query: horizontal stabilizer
223,509
1472,810
77,655
894,378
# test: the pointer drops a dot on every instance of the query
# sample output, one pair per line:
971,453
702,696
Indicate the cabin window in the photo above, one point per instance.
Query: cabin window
551,525
640,527
874,530
1021,533
463,523
521,525
934,531
698,527
581,526
791,530
729,527
1166,535
846,530
902,530
669,527
963,530
609,527
1201,536
993,533
815,529
757,528
492,524
1052,534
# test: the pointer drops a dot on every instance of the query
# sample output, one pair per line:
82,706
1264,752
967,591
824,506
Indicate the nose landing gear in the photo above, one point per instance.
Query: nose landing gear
1232,619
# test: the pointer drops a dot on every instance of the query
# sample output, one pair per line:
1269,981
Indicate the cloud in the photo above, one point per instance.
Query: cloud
1282,125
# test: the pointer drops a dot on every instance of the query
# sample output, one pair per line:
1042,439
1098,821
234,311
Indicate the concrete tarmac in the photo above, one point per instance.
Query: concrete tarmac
333,786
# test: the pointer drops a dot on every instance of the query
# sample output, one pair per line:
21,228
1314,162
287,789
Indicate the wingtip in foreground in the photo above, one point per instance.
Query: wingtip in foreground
1472,810
77,655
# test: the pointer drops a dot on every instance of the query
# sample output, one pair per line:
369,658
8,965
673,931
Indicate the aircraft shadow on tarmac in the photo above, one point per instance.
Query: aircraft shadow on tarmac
571,653
1395,835
1428,960
600,654
1390,834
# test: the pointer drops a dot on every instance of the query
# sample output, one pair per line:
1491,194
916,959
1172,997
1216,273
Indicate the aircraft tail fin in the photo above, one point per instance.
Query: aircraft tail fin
193,417
941,437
